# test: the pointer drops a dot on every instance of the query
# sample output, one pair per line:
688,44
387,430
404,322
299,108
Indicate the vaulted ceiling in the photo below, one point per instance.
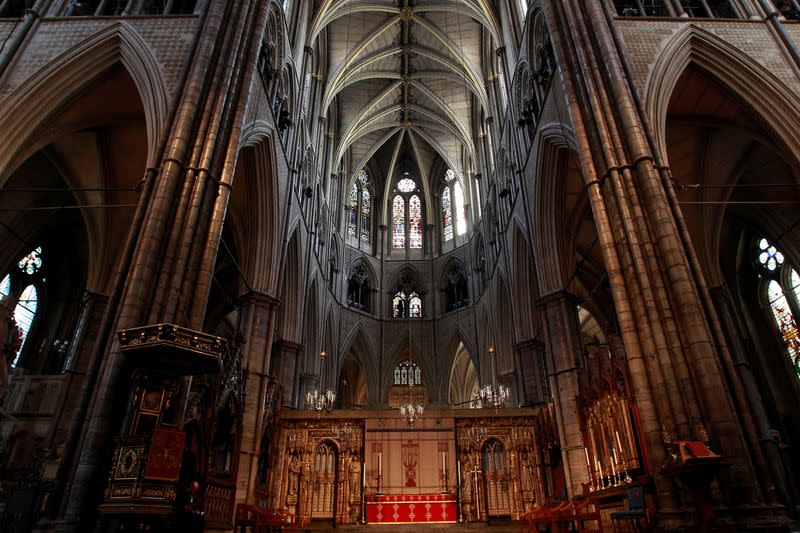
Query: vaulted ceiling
404,78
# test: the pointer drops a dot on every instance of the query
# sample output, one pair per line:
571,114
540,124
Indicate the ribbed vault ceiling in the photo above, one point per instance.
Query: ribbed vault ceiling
404,78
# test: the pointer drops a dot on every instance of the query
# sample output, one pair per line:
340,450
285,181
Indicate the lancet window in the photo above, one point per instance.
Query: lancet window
19,287
359,290
359,205
454,214
783,284
406,305
407,373
407,215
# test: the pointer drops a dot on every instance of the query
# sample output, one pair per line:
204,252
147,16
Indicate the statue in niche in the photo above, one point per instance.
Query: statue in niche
354,475
294,475
466,491
526,480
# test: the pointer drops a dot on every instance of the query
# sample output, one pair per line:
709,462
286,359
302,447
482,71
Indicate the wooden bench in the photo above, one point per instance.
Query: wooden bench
562,517
252,519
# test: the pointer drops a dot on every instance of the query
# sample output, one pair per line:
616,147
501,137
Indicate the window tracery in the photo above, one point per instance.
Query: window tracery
359,205
359,288
407,215
406,305
771,261
454,215
407,373
21,287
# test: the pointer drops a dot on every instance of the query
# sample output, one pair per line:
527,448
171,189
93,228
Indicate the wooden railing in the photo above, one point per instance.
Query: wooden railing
219,500
252,519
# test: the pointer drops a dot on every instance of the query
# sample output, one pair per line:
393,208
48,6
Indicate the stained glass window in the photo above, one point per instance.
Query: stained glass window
449,175
768,255
366,214
399,305
414,223
460,211
398,222
24,314
31,262
353,214
407,373
363,177
5,286
794,279
406,185
447,215
415,306
786,323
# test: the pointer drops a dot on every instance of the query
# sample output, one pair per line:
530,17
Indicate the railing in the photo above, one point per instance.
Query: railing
34,395
219,500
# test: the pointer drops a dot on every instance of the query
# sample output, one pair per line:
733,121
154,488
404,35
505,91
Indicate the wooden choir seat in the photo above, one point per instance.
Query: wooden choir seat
635,515
564,516
252,519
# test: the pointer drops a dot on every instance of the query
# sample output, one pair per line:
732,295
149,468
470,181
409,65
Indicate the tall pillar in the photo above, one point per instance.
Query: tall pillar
564,354
260,311
776,480
531,354
286,368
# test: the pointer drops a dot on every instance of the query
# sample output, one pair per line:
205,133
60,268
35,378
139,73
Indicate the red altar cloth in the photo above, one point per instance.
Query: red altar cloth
412,508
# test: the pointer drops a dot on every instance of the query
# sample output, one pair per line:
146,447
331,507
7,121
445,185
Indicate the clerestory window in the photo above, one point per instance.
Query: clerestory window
359,205
19,287
454,213
406,215
782,284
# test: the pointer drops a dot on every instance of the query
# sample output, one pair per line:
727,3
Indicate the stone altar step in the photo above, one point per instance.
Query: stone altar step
498,526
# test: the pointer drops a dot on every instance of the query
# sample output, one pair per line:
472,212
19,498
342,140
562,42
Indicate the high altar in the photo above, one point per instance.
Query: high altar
371,467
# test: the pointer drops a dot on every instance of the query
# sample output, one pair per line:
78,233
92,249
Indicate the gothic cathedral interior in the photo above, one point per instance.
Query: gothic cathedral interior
523,265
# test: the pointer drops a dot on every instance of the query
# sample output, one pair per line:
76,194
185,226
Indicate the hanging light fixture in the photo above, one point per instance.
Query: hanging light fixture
411,411
321,400
492,395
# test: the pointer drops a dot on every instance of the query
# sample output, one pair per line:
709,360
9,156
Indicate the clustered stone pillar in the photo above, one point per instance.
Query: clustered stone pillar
677,360
564,355
286,368
531,354
260,311
168,274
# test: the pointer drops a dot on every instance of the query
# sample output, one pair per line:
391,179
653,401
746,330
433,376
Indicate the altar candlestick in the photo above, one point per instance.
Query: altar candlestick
380,465
444,464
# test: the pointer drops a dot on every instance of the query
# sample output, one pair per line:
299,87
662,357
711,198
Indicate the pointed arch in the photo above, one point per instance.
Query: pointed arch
523,277
290,311
504,345
256,185
547,211
400,352
358,345
759,88
458,342
34,102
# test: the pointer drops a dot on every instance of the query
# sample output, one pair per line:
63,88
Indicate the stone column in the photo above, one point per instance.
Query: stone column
531,353
563,358
286,367
776,480
259,311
